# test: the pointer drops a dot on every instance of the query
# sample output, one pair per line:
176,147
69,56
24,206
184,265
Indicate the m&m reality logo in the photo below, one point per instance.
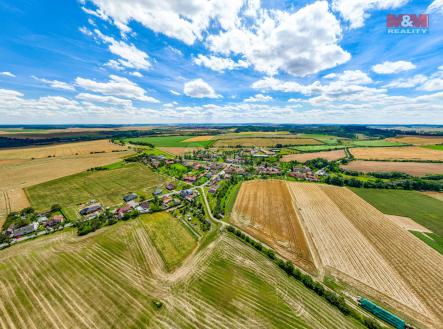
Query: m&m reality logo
407,24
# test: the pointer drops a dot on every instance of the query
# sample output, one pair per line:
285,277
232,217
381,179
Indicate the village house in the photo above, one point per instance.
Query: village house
123,210
169,162
56,220
90,209
143,207
157,191
268,170
189,179
130,197
25,229
170,186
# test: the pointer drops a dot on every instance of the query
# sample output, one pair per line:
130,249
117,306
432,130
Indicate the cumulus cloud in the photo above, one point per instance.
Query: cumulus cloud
258,98
137,74
288,42
199,89
130,55
219,64
393,67
116,86
56,84
408,82
103,99
436,6
183,20
356,11
7,74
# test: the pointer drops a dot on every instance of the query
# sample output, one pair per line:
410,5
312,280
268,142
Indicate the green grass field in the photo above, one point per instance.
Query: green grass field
375,143
438,147
172,240
107,187
423,209
111,279
169,141
431,239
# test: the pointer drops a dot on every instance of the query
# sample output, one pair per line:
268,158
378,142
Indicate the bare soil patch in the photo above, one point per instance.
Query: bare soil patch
408,224
396,153
303,157
435,195
411,168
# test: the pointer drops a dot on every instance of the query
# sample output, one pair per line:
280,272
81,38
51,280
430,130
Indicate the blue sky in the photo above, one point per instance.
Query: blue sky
196,61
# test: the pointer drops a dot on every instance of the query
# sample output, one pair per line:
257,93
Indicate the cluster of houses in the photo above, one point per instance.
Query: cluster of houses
270,170
306,173
42,220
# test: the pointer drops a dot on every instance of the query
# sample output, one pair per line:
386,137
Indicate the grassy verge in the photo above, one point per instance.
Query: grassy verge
431,239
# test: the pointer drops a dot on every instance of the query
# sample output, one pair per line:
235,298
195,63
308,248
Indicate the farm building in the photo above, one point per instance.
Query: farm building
130,197
157,191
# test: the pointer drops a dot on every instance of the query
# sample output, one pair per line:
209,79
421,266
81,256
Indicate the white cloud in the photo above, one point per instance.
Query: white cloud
436,6
183,20
137,74
356,11
393,67
55,83
199,89
258,98
219,64
176,93
7,74
408,82
104,99
116,86
130,56
289,42
432,84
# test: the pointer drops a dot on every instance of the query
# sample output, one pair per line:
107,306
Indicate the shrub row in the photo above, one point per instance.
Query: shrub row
331,297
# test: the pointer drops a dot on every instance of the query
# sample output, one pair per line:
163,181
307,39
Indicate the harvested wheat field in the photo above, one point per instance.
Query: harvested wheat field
411,168
112,277
303,157
199,139
417,140
59,150
180,150
264,142
264,209
397,153
351,240
407,223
